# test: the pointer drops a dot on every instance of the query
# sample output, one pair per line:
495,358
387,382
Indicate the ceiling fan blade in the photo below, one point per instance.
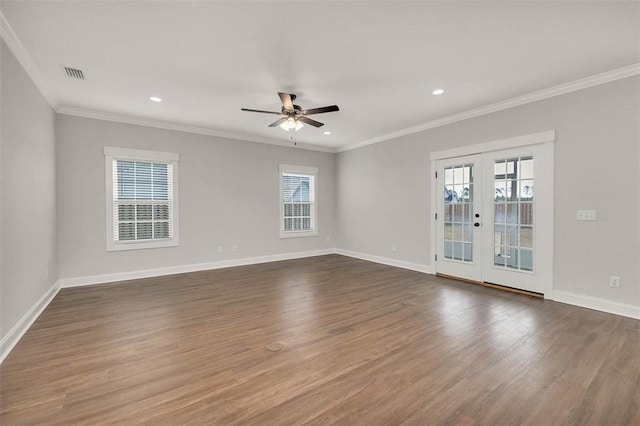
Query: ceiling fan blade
278,122
320,110
307,120
259,110
286,101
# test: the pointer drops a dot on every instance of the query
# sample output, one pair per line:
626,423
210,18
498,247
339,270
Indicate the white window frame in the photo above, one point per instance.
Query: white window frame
113,153
311,171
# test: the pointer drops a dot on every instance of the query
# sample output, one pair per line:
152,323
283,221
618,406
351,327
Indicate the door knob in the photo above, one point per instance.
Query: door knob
477,214
476,224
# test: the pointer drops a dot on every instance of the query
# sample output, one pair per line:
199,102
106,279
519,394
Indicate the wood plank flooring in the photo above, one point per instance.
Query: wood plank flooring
363,344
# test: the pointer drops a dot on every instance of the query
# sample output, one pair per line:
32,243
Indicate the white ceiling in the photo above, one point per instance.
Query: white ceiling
379,61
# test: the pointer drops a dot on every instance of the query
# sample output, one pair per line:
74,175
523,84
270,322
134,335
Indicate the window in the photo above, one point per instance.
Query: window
142,199
298,209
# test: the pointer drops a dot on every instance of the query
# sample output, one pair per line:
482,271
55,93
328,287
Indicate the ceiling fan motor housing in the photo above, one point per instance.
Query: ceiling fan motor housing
295,114
297,109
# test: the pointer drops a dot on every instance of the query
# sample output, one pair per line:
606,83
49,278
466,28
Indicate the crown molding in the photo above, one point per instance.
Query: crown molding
160,124
562,89
11,39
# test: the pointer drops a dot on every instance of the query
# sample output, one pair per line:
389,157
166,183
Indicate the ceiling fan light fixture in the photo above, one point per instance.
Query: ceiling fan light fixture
293,116
291,124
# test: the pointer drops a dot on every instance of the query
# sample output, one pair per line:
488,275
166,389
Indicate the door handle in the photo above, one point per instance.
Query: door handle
476,224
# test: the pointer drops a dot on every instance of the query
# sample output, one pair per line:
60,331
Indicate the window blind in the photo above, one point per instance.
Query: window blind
297,199
142,201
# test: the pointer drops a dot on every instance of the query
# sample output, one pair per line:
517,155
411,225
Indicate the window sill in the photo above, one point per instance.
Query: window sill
137,245
298,234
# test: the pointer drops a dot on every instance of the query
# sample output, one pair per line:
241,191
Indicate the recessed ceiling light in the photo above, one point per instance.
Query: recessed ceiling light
438,92
155,99
327,133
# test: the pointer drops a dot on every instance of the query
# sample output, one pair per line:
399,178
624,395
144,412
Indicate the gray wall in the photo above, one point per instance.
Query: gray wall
228,195
369,198
383,190
28,262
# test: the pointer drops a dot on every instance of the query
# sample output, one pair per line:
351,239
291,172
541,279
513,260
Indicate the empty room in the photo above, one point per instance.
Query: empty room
320,212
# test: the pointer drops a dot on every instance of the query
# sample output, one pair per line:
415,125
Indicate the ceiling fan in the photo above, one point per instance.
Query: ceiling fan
294,115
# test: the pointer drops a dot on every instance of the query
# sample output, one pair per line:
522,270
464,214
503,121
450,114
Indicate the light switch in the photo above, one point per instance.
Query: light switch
585,215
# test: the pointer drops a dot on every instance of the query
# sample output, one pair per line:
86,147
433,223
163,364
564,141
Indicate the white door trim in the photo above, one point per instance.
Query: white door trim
547,140
515,142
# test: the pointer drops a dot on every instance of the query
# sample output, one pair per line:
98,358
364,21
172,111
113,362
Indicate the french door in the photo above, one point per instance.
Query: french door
459,192
492,218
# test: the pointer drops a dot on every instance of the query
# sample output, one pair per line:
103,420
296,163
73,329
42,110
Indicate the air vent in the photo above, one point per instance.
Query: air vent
74,73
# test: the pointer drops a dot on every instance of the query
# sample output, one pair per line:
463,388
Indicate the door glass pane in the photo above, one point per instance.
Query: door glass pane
526,259
525,191
458,190
501,190
468,254
457,232
457,250
457,175
526,236
498,255
499,215
513,207
468,212
511,236
447,212
512,213
526,168
458,213
511,257
448,232
448,176
468,233
448,249
526,213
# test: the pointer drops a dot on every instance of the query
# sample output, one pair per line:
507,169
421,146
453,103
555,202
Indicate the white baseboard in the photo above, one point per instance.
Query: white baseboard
623,309
181,269
14,335
427,269
617,308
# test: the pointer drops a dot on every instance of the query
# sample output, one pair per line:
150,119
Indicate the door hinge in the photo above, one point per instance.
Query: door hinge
436,216
436,175
436,257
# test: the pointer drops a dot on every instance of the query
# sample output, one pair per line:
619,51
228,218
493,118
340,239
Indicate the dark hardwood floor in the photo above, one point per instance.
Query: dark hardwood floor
363,344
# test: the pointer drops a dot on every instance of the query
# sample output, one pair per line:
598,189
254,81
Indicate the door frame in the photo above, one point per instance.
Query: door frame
468,269
544,247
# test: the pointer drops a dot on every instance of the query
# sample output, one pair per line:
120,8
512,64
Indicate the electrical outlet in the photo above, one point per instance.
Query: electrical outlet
219,249
585,215
234,248
394,248
614,281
